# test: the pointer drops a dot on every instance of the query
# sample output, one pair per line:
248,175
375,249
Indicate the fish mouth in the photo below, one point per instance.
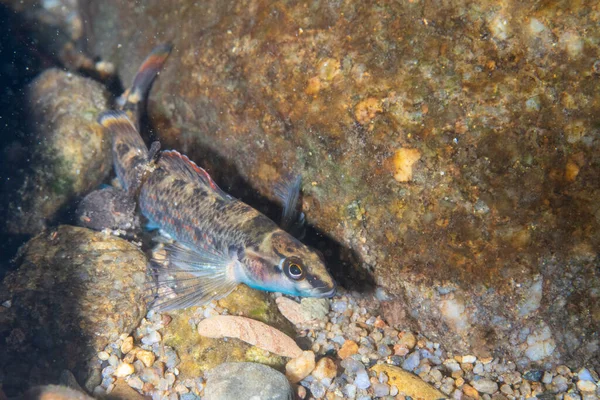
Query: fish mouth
324,291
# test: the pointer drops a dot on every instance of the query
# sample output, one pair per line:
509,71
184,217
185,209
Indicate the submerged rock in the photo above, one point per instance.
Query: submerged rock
442,146
69,154
74,292
199,354
54,392
246,381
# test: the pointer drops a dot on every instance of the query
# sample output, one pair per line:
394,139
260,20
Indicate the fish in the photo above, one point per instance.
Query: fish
210,241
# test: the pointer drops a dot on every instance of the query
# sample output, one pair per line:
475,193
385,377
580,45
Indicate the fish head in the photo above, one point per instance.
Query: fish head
283,264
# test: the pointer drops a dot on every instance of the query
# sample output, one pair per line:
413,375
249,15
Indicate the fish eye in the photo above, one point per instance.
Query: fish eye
293,269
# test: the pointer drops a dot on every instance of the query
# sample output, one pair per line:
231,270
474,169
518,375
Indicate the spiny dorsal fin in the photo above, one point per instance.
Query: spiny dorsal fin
177,163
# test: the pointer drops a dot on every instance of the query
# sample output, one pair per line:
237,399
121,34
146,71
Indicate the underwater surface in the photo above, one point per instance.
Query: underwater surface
450,181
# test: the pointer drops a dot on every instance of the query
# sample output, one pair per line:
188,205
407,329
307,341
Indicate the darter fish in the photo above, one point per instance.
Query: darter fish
217,240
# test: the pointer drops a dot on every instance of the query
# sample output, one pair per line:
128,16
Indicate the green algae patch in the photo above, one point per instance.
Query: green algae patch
199,354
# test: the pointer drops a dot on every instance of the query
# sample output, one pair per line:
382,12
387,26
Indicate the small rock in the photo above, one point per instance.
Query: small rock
407,339
315,309
547,378
349,391
407,383
54,392
127,345
325,368
135,383
348,348
400,350
506,389
381,390
585,375
124,370
103,355
292,310
533,375
586,386
412,361
246,380
301,392
362,379
452,365
151,338
300,367
147,357
469,359
485,386
317,389
123,391
470,391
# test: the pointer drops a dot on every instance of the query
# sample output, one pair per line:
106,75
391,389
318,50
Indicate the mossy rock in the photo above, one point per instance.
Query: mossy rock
199,354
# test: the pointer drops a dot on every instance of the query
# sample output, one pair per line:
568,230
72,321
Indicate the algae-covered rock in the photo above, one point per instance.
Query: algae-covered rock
199,354
451,147
246,381
74,292
407,383
69,154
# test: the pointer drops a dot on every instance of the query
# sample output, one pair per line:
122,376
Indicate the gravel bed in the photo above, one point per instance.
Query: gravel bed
347,342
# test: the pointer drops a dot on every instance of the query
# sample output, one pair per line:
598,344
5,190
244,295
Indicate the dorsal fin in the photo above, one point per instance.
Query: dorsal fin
177,163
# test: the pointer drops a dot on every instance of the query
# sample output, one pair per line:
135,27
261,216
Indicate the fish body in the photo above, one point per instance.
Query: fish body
218,241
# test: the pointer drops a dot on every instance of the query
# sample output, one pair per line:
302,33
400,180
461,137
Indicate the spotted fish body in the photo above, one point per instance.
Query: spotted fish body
218,241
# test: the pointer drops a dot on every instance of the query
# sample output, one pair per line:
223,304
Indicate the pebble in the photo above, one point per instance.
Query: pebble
407,339
468,359
362,379
103,355
246,380
147,357
534,375
411,362
470,391
586,386
349,391
317,389
135,383
485,386
124,370
151,338
300,367
348,348
127,345
325,368
381,390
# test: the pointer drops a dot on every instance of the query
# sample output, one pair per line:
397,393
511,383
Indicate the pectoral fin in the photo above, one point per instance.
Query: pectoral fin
292,220
183,277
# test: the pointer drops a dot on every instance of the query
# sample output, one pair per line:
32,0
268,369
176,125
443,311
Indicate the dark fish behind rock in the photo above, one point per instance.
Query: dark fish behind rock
218,241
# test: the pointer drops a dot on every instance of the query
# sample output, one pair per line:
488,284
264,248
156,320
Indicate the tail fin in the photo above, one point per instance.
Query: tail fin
133,99
130,154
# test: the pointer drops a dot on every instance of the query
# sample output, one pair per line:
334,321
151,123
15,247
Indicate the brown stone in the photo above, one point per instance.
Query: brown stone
325,368
348,348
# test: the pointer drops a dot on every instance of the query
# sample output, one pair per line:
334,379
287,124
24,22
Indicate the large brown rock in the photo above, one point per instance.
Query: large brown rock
451,145
74,292
69,153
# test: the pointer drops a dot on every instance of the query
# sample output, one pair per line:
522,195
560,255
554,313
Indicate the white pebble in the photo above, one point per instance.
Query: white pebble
124,370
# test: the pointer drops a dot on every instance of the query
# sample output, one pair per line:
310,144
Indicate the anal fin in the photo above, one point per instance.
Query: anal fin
182,277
